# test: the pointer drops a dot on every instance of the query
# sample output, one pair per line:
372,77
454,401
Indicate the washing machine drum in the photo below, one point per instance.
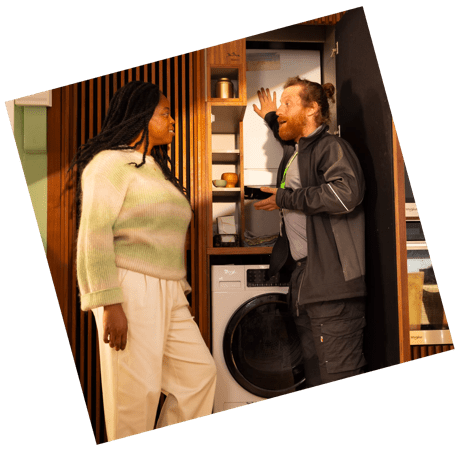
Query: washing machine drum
262,349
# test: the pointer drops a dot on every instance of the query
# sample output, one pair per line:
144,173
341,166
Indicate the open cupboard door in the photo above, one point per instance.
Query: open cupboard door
365,121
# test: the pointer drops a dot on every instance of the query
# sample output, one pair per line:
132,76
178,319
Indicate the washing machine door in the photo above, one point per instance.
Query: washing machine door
262,349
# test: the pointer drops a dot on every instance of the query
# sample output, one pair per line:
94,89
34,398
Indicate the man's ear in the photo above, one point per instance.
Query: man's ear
313,109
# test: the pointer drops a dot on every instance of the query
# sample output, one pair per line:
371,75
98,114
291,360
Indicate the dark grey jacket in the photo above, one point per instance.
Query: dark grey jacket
331,195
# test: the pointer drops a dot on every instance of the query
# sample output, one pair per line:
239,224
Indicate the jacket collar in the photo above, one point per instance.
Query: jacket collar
304,142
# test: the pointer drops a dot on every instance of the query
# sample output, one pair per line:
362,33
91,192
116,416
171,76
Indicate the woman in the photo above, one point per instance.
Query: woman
131,271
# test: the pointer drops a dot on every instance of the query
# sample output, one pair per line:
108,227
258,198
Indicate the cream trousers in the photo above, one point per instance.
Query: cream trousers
165,353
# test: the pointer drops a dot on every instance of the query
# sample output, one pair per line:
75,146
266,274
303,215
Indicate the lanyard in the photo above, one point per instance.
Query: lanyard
283,181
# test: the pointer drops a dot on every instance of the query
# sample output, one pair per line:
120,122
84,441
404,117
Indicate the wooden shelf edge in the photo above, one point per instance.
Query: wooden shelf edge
430,337
239,250
226,189
232,102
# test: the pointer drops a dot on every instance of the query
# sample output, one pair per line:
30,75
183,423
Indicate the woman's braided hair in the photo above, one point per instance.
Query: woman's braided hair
129,113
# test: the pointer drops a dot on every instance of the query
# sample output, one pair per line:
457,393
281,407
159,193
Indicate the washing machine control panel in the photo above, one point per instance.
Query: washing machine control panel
258,277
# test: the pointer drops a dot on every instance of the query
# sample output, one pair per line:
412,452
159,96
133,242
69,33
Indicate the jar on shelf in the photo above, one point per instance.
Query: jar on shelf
224,88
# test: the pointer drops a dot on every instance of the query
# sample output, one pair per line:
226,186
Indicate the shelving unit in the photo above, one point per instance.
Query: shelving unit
230,156
432,335
224,116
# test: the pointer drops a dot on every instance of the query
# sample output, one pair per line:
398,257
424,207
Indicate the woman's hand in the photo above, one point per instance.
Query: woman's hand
115,326
267,104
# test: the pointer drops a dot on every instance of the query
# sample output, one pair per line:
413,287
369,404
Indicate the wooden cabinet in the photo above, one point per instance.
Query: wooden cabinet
423,323
224,122
229,61
224,136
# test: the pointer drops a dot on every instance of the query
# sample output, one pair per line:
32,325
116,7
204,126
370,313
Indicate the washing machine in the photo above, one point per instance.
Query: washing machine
254,340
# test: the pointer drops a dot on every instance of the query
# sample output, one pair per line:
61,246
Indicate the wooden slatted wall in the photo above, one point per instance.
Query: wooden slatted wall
77,115
326,20
418,352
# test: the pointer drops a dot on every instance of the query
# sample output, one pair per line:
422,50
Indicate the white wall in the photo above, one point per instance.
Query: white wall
33,161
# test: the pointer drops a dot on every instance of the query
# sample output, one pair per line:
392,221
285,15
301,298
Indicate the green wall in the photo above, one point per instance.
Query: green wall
30,136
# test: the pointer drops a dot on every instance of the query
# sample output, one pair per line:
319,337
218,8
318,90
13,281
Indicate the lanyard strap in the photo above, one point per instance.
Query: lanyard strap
283,181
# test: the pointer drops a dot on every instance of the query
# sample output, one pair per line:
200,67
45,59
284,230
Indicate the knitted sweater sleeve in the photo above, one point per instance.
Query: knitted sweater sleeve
96,270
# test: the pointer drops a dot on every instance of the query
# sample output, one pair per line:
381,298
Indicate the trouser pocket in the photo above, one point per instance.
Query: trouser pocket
342,344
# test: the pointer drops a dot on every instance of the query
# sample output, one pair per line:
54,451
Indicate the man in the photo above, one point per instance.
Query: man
320,187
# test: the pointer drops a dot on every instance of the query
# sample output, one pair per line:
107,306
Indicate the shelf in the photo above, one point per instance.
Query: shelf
240,250
225,156
229,72
226,117
416,245
412,212
430,337
226,189
219,192
227,102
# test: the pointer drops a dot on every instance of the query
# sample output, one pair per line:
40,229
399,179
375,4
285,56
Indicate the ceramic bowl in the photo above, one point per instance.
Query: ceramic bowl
219,182
231,178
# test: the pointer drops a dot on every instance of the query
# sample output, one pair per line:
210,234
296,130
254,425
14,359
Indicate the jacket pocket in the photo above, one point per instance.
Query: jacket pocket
348,233
343,344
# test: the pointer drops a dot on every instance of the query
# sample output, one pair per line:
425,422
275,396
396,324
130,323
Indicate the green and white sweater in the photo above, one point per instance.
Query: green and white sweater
131,218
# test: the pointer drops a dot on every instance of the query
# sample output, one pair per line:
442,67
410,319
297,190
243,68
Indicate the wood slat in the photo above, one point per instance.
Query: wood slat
192,185
107,93
202,201
74,304
152,66
191,129
99,104
168,77
83,112
401,250
176,115
240,171
91,108
82,337
326,20
54,115
184,150
65,194
418,352
160,76
115,82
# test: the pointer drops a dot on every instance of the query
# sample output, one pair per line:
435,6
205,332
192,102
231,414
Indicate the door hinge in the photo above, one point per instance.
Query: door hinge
337,132
335,50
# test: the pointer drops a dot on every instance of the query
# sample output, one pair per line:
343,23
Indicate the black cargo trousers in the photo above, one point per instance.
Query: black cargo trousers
331,334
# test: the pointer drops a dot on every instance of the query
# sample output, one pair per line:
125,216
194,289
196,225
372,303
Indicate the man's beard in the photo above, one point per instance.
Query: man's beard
292,129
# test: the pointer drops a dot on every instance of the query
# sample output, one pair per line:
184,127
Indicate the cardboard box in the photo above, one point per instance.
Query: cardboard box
226,225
